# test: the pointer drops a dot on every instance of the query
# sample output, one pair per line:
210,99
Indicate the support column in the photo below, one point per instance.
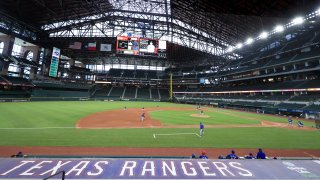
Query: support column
46,62
8,42
35,58
72,63
306,64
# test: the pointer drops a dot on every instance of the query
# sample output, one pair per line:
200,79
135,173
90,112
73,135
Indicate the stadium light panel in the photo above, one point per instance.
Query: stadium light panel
263,35
239,45
297,20
249,41
279,28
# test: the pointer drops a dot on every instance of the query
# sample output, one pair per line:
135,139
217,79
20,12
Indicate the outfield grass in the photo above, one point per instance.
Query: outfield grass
66,114
183,117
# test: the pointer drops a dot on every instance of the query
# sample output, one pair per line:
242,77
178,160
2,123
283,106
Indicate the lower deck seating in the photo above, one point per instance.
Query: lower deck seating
164,93
102,92
116,91
130,93
143,93
313,107
14,94
54,93
155,93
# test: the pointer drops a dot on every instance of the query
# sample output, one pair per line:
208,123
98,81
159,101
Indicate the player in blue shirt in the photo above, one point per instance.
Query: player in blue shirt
300,124
261,154
250,156
203,155
290,121
232,155
201,129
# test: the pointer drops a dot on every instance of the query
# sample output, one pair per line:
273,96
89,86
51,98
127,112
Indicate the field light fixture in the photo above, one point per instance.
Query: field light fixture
263,35
249,41
297,20
279,28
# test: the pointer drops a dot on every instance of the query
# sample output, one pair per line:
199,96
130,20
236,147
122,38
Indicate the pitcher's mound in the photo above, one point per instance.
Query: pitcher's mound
199,115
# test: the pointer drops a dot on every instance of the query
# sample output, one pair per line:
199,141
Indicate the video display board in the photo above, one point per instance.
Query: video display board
54,62
141,46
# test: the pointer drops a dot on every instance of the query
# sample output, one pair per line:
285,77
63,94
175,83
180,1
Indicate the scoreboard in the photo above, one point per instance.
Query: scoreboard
141,46
54,62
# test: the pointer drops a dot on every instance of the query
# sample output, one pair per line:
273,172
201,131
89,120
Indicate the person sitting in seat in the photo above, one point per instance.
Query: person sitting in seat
232,155
193,156
203,155
261,154
250,156
19,154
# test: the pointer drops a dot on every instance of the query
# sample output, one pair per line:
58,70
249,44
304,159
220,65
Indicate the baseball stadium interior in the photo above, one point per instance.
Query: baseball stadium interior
248,55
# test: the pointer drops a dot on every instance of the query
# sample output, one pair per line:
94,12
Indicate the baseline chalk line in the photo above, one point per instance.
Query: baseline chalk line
33,128
175,134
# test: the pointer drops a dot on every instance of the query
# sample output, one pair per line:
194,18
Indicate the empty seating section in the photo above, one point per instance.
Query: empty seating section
143,93
128,74
102,92
313,107
315,83
133,74
306,97
294,84
16,80
115,72
117,91
164,93
14,94
188,76
308,55
153,75
282,97
55,94
280,60
290,106
62,85
130,92
298,42
140,74
154,93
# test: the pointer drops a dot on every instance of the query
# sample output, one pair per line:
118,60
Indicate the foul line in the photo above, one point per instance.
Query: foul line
32,128
175,134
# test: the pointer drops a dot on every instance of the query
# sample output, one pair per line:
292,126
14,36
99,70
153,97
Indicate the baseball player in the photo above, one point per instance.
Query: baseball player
142,117
201,129
201,112
300,124
290,121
